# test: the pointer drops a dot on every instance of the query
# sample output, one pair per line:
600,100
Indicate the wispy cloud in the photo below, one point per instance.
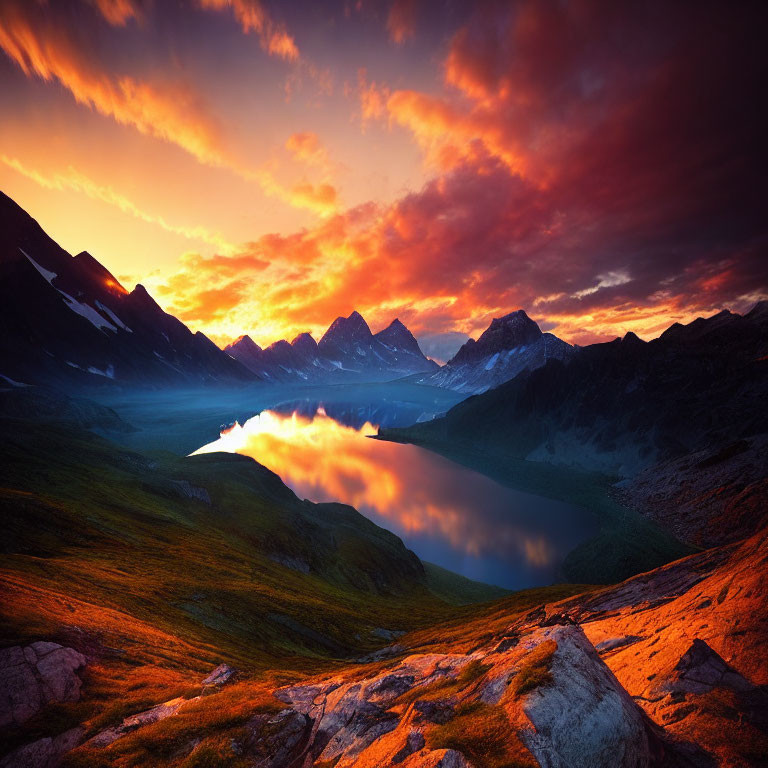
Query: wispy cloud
253,17
72,180
401,20
118,12
306,147
171,112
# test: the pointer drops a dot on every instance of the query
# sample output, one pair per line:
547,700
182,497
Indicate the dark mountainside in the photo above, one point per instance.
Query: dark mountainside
678,425
67,320
348,351
623,406
510,345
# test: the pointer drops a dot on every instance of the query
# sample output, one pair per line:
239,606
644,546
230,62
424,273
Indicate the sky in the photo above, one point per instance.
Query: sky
263,168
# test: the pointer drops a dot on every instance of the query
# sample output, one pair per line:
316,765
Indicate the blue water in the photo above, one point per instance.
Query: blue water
447,514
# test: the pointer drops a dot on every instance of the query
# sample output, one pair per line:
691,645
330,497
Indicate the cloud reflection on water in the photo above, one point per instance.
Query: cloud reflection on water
447,514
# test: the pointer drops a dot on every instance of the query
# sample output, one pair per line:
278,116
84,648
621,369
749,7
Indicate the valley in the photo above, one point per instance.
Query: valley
535,554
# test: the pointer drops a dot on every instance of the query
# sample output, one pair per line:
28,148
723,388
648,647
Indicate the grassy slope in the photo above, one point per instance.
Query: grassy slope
459,590
110,526
103,552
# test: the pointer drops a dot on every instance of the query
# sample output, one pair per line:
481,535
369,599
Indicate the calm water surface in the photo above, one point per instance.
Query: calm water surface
445,513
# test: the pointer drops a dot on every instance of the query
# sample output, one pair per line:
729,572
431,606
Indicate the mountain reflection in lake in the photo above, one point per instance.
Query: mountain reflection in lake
447,514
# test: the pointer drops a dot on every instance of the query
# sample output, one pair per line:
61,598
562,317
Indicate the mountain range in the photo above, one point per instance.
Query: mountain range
348,351
625,406
65,319
510,345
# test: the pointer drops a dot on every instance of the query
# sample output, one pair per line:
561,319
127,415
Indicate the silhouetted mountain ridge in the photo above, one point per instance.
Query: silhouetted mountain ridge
67,320
510,345
624,405
347,351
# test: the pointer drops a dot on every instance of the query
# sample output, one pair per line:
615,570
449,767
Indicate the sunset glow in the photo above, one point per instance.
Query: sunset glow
265,167
419,496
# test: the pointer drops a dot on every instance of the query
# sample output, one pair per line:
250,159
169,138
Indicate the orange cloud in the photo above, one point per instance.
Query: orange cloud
450,135
401,21
320,198
172,113
472,245
373,98
307,148
117,12
253,17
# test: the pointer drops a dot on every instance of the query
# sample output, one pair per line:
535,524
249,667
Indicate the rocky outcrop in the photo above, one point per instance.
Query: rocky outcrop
36,675
700,670
277,741
220,676
686,641
43,753
134,722
550,686
584,717
188,491
709,497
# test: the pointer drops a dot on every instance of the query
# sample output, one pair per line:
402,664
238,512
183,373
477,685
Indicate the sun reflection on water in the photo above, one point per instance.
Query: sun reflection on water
432,503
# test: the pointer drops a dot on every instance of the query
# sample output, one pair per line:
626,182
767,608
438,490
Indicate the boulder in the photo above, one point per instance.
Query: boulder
583,716
33,676
221,675
701,669
132,723
277,741
43,753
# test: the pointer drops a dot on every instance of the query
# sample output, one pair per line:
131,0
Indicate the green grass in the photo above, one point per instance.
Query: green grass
484,735
104,525
458,590
535,673
101,552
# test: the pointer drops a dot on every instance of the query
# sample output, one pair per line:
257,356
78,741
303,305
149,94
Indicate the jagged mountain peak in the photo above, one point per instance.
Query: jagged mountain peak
279,346
305,343
95,270
504,333
518,316
511,330
246,343
511,344
347,328
630,337
397,335
87,328
347,350
141,297
759,312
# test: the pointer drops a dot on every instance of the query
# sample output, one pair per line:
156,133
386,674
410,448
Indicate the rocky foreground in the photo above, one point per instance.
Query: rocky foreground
665,669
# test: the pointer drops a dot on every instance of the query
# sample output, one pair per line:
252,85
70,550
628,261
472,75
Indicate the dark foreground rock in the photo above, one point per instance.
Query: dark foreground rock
36,675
